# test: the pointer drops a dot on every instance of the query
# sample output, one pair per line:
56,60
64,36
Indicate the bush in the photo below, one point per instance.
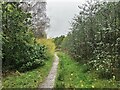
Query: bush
58,41
20,49
37,56
49,44
94,42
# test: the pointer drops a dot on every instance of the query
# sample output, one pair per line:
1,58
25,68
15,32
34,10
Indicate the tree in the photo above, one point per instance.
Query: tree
94,37
40,21
20,50
58,41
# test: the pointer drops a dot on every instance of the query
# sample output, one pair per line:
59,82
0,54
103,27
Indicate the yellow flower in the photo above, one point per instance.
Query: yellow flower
93,86
82,85
80,81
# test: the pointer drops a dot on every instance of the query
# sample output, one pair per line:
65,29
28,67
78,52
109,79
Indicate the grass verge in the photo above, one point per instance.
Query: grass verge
30,79
71,75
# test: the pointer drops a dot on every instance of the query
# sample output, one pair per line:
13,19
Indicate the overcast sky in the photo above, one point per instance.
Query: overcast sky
61,13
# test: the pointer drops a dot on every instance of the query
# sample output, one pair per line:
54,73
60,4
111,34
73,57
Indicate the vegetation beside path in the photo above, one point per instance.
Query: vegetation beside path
30,79
26,58
71,74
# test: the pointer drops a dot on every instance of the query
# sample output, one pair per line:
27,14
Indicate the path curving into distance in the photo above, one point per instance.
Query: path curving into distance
50,80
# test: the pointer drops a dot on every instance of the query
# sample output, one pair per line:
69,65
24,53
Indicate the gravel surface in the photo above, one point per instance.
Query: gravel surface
50,80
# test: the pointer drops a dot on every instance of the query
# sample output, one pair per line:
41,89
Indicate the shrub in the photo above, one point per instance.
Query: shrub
49,44
20,50
94,38
58,41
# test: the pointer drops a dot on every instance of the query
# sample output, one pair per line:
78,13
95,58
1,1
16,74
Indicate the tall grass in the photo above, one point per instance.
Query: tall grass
30,79
71,74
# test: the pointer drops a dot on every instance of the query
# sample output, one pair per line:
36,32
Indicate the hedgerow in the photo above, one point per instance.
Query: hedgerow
20,50
94,39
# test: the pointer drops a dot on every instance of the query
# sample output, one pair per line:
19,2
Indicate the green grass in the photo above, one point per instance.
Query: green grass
71,75
30,79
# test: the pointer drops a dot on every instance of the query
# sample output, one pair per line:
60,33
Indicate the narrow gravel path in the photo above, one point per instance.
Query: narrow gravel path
50,80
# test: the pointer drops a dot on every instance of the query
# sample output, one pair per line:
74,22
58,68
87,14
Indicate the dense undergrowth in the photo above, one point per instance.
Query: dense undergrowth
29,79
94,39
21,51
49,45
25,61
72,74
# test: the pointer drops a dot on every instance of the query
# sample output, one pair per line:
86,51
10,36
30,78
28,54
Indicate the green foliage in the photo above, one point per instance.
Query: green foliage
94,39
30,79
58,41
71,75
20,49
49,44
